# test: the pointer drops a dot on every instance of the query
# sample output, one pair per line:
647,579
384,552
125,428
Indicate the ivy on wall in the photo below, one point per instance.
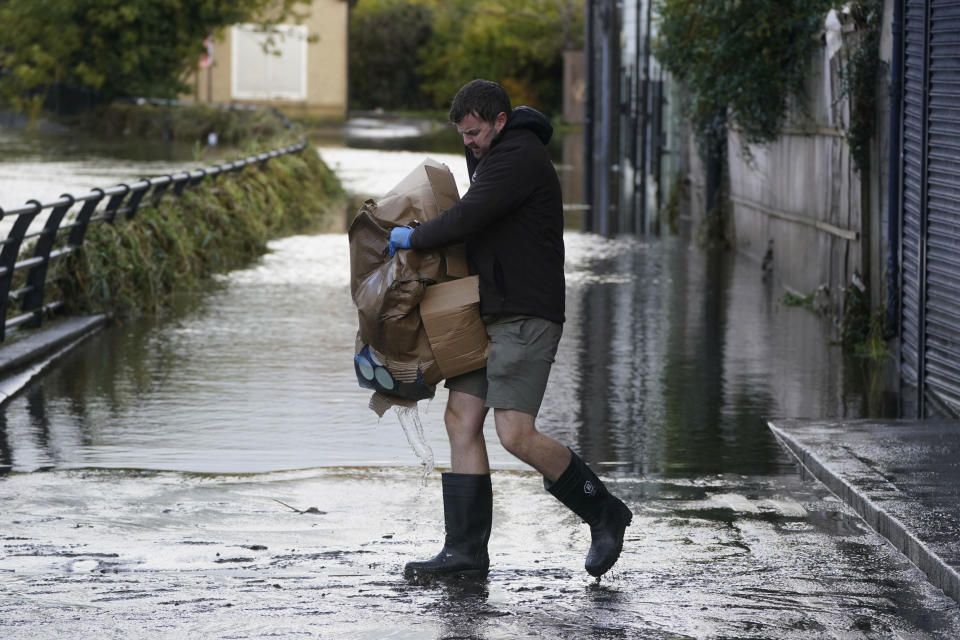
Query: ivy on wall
860,75
748,58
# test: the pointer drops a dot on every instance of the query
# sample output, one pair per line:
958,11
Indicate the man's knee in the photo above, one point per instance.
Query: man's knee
464,415
515,430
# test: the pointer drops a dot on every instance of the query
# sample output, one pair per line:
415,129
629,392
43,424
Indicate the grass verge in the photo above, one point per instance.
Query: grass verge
135,267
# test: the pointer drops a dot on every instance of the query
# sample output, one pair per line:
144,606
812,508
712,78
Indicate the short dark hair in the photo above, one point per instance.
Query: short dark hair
484,98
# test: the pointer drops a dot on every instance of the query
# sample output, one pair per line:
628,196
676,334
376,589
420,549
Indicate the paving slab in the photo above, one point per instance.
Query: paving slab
902,477
22,360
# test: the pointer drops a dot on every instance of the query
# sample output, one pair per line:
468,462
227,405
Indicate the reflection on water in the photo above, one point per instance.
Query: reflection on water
670,364
672,360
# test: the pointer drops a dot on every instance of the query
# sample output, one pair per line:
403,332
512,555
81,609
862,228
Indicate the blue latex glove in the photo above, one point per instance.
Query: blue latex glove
399,239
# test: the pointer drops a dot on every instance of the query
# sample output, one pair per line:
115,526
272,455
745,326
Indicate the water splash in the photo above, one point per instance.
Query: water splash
409,418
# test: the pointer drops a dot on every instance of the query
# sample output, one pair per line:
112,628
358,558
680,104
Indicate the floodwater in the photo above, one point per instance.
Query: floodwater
217,473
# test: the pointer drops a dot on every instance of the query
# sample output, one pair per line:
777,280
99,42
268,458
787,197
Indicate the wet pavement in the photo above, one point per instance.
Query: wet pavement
217,473
146,555
902,477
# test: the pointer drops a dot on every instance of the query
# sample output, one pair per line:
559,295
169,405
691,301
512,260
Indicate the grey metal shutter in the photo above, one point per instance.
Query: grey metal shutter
913,180
942,343
930,249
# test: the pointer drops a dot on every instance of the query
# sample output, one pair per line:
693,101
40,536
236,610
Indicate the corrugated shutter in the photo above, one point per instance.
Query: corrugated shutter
942,315
913,186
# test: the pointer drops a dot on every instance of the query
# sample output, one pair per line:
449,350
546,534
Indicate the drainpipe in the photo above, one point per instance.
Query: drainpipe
589,213
893,182
634,225
645,125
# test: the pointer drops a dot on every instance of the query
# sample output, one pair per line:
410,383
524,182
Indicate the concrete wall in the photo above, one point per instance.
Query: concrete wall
326,67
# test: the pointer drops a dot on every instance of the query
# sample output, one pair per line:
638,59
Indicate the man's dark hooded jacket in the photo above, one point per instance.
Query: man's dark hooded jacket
511,220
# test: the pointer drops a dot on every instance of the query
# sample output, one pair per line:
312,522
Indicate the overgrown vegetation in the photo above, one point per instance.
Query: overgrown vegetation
112,48
387,77
860,80
741,63
413,53
136,267
256,128
862,329
796,300
747,58
678,198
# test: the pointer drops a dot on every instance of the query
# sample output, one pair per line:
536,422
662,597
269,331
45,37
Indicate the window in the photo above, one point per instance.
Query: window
269,65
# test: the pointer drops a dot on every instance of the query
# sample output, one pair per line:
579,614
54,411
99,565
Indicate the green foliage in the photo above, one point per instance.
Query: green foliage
519,43
746,57
116,47
136,267
860,75
248,127
678,198
795,300
386,76
861,329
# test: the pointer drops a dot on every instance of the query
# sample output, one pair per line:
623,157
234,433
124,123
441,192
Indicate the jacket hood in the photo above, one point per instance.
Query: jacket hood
529,118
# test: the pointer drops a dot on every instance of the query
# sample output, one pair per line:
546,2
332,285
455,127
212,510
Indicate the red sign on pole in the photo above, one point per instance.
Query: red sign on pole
206,58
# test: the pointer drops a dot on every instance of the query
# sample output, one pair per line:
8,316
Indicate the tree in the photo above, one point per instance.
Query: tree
519,43
114,47
408,53
381,75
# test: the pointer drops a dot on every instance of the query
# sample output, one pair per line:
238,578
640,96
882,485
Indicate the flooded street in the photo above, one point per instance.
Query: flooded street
217,473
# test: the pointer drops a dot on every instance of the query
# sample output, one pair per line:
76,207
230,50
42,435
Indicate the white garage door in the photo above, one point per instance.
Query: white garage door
269,65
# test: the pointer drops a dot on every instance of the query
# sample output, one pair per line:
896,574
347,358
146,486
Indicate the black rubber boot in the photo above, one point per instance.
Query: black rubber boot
467,515
582,492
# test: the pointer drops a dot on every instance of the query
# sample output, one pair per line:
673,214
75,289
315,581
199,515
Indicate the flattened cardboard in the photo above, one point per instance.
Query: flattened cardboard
445,195
451,316
443,184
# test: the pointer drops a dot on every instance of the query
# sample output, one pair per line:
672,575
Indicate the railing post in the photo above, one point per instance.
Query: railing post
79,230
8,258
113,205
160,188
135,199
178,185
37,276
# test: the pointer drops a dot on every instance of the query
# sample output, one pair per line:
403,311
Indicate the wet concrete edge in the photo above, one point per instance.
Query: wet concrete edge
936,569
25,359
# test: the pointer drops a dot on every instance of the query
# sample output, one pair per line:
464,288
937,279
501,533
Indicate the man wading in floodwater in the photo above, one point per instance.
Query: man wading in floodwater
511,220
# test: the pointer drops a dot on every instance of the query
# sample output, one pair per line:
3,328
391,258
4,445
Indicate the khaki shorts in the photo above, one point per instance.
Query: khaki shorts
522,350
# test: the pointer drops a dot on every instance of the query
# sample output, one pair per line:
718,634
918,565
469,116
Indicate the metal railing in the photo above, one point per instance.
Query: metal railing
65,228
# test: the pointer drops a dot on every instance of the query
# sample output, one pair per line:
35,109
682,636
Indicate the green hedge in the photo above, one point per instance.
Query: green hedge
190,123
134,267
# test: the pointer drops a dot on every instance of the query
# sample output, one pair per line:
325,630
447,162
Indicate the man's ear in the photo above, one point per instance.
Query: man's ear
500,121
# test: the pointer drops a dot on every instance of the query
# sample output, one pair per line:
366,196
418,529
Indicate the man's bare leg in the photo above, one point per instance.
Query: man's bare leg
519,436
464,421
572,482
467,497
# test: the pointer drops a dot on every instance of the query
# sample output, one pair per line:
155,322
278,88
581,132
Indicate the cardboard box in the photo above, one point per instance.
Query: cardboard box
451,317
410,337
